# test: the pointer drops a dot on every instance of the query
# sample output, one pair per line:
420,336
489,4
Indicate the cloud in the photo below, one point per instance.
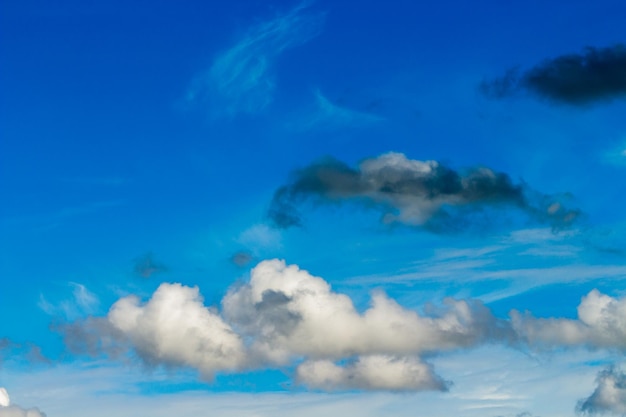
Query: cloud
282,316
174,328
593,75
241,80
4,397
9,410
146,266
412,192
83,302
601,323
609,395
288,312
378,372
242,258
330,115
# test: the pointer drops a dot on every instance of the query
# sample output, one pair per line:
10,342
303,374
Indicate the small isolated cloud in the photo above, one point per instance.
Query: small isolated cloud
11,410
146,266
601,323
377,372
241,79
609,396
412,192
242,258
595,74
331,115
260,237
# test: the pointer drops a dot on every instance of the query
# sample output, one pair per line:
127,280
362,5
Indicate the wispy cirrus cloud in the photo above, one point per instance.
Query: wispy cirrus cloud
328,115
241,79
596,74
417,193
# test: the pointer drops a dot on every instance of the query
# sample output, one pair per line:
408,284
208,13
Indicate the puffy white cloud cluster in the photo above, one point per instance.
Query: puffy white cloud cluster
286,311
601,323
285,316
175,328
9,410
609,395
376,372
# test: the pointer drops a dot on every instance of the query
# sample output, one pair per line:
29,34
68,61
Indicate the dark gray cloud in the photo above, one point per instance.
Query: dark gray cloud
609,395
146,266
592,75
242,258
418,193
28,351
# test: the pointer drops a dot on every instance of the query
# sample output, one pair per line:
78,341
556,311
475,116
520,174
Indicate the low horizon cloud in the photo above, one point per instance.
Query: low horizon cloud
286,317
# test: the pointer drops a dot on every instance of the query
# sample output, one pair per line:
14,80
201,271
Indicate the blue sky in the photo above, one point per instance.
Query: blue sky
350,208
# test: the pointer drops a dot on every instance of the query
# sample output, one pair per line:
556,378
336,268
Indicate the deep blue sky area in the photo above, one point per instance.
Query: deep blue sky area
349,208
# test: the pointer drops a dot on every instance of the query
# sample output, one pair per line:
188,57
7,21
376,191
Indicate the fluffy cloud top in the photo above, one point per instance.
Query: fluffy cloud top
609,395
418,193
4,397
175,328
286,311
601,323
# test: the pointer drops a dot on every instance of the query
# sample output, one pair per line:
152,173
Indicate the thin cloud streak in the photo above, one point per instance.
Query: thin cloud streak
241,79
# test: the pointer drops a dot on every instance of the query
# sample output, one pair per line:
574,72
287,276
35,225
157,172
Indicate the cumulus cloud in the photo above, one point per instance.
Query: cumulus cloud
609,395
288,312
241,80
10,410
577,79
4,397
376,372
601,323
284,315
176,329
412,192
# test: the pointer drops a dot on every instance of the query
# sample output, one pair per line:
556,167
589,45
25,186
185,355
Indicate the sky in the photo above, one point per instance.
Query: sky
302,208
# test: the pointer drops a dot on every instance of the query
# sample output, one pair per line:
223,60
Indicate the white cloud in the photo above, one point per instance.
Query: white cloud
601,323
609,395
240,80
376,372
11,410
288,312
175,328
4,397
